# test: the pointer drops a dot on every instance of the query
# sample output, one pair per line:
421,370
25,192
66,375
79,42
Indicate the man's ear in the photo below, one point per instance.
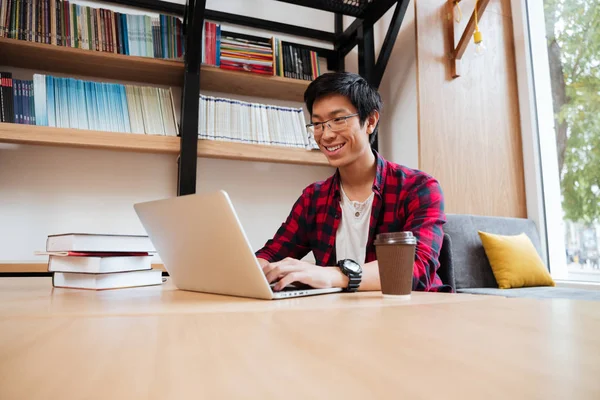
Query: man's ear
372,121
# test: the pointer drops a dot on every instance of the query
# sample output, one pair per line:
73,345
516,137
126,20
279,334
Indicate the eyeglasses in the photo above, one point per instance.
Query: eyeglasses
334,124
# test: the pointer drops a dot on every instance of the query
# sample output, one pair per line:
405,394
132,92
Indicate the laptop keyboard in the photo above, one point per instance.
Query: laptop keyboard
292,288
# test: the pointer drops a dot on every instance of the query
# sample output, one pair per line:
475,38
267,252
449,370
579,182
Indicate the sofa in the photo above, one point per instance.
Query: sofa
465,266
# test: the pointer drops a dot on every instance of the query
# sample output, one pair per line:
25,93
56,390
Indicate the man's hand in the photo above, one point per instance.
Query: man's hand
290,270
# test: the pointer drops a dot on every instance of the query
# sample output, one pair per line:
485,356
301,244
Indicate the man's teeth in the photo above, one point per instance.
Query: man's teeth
334,148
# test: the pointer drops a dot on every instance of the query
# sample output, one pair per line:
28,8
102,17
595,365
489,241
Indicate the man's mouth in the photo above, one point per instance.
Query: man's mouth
332,149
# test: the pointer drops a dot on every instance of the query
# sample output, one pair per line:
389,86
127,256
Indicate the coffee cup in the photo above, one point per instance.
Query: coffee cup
396,258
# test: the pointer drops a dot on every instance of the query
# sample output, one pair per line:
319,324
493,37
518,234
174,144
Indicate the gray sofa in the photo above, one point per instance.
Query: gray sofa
464,264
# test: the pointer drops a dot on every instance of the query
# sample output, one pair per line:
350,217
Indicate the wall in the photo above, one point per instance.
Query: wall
470,126
399,138
467,136
46,190
398,126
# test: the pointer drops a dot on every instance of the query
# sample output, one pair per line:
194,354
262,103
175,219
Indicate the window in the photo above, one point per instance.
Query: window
567,72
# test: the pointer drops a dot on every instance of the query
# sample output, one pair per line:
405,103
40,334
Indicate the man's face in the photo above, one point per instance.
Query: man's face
348,140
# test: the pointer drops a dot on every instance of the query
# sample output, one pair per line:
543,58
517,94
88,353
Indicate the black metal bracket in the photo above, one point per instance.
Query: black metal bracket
352,8
339,29
154,5
389,41
267,25
190,100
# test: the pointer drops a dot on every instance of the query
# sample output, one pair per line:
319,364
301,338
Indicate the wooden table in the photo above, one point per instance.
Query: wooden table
162,343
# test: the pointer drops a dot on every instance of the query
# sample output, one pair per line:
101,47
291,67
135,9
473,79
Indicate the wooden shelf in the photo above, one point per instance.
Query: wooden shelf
66,137
256,152
251,84
45,57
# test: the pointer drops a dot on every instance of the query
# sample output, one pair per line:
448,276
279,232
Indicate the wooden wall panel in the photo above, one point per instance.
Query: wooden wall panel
469,128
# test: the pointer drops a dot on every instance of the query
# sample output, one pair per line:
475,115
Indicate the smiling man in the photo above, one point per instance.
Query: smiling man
338,219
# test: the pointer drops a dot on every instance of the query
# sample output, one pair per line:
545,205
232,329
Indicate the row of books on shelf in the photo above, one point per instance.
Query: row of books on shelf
246,122
268,56
100,261
63,23
73,103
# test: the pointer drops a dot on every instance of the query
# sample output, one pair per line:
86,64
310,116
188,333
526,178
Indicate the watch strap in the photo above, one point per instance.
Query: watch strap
354,279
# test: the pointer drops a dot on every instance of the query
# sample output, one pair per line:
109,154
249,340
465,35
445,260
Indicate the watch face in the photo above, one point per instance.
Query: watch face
352,266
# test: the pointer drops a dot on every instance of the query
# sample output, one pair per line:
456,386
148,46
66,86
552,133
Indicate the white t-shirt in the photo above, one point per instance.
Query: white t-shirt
353,231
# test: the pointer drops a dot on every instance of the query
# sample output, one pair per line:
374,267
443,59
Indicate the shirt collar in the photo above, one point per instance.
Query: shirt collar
378,181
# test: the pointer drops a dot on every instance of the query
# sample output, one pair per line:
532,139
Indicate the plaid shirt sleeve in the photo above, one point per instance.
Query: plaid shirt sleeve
291,239
425,218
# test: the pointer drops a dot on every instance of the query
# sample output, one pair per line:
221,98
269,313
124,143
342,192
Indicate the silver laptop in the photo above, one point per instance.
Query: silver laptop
204,248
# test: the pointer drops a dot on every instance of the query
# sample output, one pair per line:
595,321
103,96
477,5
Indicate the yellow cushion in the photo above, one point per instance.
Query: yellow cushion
514,261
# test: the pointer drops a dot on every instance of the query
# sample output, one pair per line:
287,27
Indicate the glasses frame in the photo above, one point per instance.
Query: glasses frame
310,127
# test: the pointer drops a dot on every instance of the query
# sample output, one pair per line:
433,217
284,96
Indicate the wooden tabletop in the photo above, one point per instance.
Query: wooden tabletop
162,343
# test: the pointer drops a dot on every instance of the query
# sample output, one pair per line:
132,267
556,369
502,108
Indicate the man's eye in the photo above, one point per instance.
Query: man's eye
338,120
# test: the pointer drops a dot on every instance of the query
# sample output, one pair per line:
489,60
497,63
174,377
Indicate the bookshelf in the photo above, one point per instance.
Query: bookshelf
147,70
272,87
72,61
79,138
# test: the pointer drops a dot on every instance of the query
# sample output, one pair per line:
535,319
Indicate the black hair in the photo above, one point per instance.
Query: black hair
354,87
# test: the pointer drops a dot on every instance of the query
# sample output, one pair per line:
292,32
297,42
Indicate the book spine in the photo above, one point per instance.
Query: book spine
3,110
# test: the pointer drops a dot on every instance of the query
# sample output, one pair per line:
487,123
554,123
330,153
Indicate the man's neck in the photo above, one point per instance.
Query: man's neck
360,173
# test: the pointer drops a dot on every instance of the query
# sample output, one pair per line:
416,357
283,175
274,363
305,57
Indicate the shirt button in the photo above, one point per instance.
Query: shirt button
337,216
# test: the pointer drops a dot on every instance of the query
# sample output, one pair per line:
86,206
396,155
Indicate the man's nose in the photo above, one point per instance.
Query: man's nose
328,134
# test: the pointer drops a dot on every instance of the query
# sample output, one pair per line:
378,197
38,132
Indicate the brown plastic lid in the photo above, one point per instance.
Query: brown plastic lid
395,238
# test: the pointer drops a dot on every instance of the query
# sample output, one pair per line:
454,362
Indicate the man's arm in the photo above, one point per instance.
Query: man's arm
425,217
291,239
291,270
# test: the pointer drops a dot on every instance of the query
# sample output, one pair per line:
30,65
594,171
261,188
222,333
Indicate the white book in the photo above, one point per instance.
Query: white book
173,113
39,91
202,117
134,110
263,118
210,117
99,265
99,242
114,280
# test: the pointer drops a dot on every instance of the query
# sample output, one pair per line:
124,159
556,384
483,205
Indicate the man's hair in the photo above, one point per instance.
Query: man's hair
354,87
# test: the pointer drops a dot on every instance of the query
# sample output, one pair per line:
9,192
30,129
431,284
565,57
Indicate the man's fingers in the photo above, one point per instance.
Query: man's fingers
285,261
277,272
273,274
288,279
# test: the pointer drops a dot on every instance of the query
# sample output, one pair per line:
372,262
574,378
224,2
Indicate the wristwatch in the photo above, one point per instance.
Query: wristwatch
353,271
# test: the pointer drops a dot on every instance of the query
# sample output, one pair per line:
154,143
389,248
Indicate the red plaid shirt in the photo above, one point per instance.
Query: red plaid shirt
405,200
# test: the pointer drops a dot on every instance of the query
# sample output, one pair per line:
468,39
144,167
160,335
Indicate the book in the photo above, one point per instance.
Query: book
89,242
115,280
98,265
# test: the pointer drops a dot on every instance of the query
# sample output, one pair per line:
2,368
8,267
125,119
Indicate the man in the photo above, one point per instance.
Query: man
338,219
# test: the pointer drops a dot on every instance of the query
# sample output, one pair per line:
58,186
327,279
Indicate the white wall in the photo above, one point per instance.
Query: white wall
399,134
46,190
398,126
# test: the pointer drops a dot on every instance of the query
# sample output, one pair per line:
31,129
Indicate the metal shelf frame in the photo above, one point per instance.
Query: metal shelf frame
359,33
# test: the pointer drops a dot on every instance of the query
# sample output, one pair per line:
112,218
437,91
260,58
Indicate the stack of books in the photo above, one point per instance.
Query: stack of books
98,262
268,56
245,53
